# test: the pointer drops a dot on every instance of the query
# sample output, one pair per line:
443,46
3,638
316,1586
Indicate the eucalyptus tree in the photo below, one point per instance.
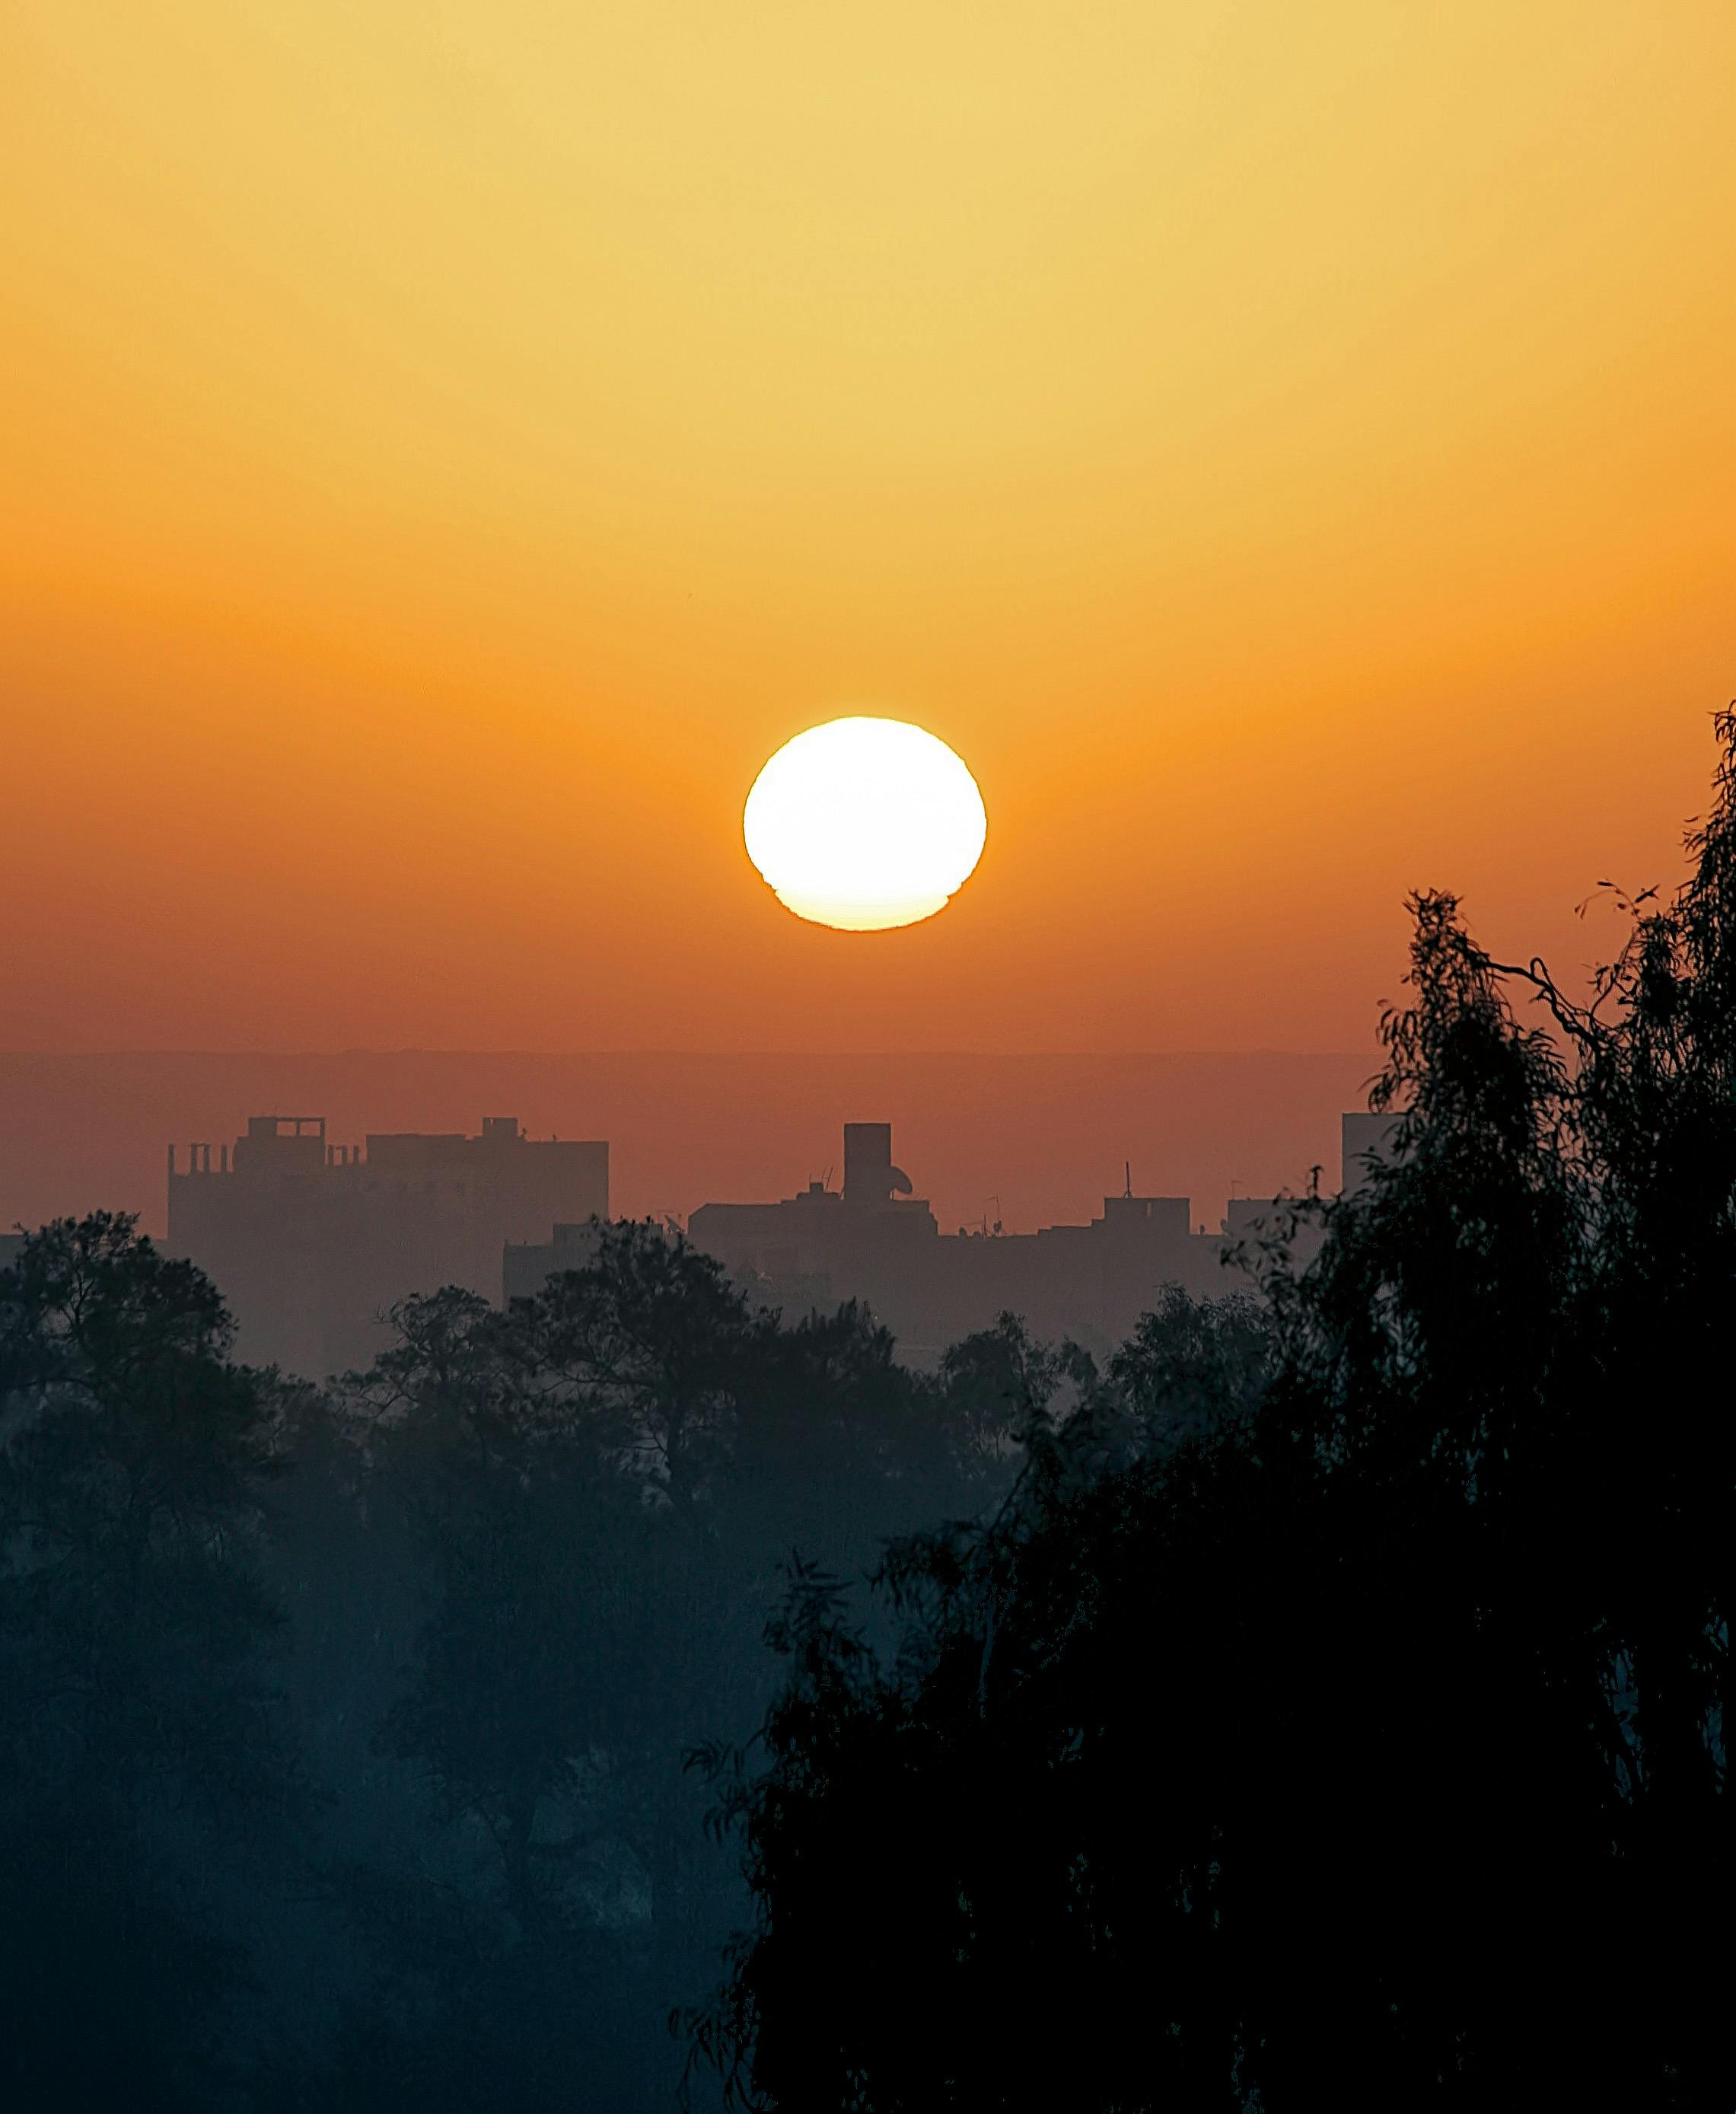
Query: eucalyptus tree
1338,1707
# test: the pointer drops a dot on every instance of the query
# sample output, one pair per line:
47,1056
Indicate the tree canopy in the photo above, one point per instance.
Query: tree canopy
1365,1743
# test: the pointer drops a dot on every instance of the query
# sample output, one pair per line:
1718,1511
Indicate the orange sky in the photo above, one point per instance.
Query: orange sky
444,448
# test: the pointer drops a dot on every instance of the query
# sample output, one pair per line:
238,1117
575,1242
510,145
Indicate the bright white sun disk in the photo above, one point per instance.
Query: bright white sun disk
865,824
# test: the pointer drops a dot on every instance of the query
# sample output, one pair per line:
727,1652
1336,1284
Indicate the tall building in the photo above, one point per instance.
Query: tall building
312,1243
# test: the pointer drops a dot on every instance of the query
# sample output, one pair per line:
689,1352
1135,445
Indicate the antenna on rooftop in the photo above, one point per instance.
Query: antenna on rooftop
1127,1170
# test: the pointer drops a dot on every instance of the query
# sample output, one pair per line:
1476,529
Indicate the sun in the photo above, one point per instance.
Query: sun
865,824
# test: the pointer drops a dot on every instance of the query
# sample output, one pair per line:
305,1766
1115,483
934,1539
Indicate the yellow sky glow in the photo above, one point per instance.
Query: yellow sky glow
448,447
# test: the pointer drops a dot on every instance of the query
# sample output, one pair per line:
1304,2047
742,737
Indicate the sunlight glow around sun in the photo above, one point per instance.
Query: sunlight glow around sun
865,824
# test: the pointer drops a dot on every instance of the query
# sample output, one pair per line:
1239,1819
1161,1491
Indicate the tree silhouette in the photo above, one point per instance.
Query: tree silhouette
1337,1709
1323,1696
140,1741
601,1484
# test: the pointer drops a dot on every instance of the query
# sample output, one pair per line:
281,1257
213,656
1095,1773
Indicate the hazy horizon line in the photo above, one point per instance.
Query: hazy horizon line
643,1049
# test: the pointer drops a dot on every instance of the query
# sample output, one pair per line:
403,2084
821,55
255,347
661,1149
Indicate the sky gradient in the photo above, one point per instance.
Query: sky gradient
1287,452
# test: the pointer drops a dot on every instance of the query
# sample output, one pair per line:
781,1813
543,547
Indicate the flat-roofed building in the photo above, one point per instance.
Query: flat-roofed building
311,1242
1252,1224
874,1242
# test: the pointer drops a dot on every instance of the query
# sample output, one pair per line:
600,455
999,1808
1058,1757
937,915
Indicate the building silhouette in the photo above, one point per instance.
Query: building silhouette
874,1242
312,1243
1364,1139
527,1265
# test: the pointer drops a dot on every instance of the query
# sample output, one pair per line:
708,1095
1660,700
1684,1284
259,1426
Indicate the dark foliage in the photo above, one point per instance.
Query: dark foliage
1361,1740
1322,1702
141,1748
345,1735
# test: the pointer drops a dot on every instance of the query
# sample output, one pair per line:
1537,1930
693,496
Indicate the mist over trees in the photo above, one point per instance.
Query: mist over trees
1323,1700
143,1754
346,1735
